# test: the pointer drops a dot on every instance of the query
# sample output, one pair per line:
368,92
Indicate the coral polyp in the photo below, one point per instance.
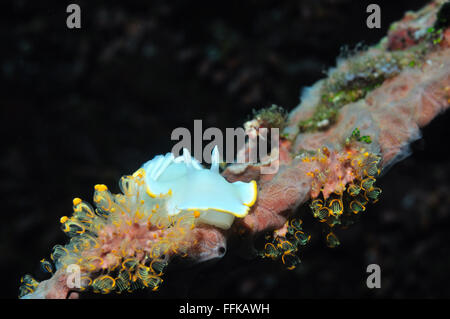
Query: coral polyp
117,244
343,184
284,244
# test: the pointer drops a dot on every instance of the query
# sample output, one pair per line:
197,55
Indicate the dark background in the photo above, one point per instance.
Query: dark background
81,107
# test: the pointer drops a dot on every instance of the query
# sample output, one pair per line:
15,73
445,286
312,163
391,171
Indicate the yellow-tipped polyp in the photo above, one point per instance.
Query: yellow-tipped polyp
125,242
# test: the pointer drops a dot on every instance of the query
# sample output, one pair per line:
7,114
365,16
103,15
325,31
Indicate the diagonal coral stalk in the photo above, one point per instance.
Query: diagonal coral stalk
350,126
391,114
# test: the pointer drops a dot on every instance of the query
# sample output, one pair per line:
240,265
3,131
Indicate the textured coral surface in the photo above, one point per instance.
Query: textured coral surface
389,113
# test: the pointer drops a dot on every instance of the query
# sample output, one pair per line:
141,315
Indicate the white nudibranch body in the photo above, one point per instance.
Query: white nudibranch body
189,187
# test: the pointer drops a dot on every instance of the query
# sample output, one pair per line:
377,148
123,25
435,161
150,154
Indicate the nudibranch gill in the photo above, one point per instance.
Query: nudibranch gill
171,206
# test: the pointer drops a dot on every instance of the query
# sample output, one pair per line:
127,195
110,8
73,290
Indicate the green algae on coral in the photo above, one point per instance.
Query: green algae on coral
360,74
271,117
356,136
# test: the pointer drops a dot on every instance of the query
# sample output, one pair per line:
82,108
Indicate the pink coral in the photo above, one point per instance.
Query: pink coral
321,162
391,114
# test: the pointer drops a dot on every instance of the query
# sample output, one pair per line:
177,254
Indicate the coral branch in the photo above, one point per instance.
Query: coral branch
393,91
348,128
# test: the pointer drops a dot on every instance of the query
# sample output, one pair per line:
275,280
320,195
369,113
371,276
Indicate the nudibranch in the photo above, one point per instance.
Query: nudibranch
189,187
127,240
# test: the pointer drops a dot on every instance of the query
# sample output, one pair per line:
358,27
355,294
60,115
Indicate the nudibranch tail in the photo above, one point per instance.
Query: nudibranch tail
248,192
